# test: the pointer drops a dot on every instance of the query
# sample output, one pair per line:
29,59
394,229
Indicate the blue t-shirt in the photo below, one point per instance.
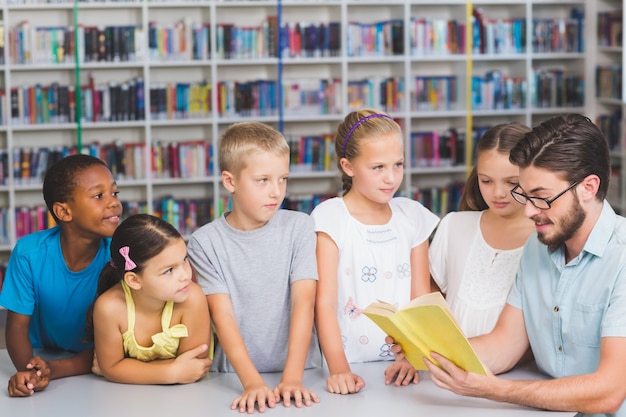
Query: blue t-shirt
39,284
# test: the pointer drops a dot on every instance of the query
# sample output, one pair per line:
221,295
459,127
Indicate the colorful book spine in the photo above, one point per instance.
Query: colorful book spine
434,93
440,200
554,35
383,38
609,29
436,36
557,87
609,81
186,215
498,91
610,125
27,220
311,153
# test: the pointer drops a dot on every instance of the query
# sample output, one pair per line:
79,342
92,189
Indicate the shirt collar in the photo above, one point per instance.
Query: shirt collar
602,231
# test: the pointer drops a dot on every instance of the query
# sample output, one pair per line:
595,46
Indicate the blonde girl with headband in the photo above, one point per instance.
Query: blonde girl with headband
150,320
371,245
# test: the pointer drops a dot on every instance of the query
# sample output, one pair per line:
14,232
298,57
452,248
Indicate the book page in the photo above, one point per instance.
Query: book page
438,332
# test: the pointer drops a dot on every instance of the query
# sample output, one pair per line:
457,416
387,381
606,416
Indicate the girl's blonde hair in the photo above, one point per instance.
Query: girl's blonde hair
356,126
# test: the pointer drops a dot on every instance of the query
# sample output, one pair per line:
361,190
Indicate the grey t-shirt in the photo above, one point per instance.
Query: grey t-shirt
256,269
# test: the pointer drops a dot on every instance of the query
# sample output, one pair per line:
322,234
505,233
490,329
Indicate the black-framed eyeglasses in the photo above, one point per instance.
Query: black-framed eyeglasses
539,202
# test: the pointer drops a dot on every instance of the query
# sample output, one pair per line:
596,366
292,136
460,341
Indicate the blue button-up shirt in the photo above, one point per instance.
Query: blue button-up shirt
568,308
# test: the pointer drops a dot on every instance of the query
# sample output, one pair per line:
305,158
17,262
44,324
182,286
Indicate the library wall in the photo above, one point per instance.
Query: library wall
149,85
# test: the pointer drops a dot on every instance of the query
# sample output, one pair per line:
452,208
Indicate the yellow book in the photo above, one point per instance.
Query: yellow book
423,326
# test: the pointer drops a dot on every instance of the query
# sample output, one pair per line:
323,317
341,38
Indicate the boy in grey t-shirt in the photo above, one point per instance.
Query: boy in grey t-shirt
257,267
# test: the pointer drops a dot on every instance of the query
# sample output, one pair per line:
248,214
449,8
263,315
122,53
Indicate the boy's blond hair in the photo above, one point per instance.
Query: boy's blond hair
242,139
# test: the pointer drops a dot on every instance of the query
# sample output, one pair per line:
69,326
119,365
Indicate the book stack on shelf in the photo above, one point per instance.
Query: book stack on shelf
164,78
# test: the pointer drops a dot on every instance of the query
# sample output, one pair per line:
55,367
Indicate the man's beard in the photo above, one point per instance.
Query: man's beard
565,228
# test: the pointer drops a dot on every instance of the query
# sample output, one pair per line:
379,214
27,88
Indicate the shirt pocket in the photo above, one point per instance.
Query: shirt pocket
586,324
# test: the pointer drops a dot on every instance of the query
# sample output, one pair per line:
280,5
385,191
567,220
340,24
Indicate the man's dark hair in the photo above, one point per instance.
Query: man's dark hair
570,145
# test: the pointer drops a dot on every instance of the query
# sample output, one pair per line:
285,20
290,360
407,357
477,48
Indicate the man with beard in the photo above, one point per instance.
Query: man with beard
568,303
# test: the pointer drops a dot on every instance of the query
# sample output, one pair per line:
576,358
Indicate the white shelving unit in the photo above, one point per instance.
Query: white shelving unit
610,54
404,66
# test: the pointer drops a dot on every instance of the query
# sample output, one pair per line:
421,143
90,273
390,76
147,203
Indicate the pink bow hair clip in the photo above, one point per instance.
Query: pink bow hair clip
129,265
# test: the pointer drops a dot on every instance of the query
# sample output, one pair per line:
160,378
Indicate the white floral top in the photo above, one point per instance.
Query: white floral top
374,264
475,277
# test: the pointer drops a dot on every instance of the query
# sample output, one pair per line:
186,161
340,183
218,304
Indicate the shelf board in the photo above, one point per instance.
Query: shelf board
438,170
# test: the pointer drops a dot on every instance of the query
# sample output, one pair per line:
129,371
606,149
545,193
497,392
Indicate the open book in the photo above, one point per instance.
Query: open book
423,326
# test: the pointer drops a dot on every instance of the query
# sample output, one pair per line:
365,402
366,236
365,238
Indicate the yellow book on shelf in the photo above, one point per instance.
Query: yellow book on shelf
423,326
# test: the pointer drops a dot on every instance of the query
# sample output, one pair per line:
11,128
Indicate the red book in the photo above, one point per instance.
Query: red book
32,105
175,160
71,95
95,100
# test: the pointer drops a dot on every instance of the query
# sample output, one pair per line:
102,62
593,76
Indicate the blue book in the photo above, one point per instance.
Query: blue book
26,105
578,13
38,104
140,99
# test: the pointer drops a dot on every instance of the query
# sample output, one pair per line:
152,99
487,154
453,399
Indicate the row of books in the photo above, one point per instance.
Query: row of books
124,101
312,153
558,35
57,44
611,125
168,159
297,40
375,39
29,220
507,36
437,148
439,200
56,103
435,93
498,91
186,214
40,104
557,88
260,97
436,36
490,36
610,28
184,40
497,36
127,161
386,93
443,148
609,81
113,101
187,40
28,164
170,101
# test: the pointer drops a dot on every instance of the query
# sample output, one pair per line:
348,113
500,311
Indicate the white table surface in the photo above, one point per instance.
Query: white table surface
93,396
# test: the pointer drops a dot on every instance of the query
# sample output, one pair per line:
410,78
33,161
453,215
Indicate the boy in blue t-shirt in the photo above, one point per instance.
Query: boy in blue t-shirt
52,275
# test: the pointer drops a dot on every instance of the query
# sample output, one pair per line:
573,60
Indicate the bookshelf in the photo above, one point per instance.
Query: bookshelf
609,92
375,54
